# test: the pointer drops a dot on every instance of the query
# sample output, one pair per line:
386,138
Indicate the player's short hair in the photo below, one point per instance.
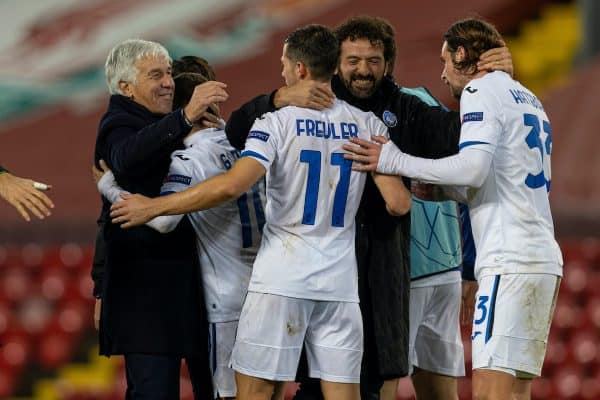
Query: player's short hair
188,72
317,47
376,30
476,37
120,63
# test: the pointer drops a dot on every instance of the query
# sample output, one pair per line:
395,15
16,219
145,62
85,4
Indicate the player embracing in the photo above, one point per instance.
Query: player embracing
502,171
303,288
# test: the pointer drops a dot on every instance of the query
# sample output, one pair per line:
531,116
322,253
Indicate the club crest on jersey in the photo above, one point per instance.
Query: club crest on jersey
472,117
260,135
186,180
389,118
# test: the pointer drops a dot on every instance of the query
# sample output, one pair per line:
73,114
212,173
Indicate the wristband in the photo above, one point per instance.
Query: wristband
185,118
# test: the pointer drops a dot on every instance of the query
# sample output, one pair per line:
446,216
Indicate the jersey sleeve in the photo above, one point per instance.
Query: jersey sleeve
183,174
377,127
262,140
480,116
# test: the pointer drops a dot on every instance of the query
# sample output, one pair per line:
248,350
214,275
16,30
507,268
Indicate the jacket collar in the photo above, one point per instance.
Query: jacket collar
120,102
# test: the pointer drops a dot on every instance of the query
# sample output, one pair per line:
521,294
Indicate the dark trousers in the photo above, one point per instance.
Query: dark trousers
155,377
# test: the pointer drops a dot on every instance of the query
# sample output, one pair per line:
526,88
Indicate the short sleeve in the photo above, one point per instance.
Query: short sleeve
377,127
261,143
182,174
480,116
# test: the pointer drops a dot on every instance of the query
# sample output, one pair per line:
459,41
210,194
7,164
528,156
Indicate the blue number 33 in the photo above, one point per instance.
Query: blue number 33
534,141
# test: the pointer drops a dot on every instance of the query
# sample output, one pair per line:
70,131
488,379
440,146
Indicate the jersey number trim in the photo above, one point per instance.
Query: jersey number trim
313,159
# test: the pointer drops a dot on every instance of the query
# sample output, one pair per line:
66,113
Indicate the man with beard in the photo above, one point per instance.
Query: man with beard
503,173
364,80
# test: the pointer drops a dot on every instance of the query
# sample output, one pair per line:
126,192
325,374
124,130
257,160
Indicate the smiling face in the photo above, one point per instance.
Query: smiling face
154,85
362,67
455,80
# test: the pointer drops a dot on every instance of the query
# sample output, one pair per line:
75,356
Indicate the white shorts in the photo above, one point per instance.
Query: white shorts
273,328
435,344
222,338
513,313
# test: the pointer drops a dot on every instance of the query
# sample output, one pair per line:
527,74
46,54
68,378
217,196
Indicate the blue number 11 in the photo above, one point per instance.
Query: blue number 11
313,159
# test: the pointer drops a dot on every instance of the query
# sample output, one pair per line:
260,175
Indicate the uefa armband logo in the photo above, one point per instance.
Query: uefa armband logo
390,119
260,135
472,117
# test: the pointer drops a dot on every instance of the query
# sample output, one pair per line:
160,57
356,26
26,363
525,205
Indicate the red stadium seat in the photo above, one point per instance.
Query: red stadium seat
575,277
7,383
32,255
567,382
53,283
35,313
592,311
590,388
16,284
15,351
585,348
54,350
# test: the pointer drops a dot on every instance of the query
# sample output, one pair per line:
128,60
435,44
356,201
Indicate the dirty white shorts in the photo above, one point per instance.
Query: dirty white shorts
273,328
435,344
513,313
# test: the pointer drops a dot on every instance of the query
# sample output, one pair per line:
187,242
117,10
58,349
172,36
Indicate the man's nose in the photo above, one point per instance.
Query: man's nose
168,81
363,68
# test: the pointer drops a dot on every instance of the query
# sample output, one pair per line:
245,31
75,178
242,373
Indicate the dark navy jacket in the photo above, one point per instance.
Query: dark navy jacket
152,300
382,241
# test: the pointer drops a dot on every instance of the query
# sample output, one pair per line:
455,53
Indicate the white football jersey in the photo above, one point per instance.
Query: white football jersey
307,249
228,235
510,214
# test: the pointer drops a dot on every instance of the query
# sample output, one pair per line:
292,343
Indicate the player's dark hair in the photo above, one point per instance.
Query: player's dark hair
376,30
476,37
188,72
316,47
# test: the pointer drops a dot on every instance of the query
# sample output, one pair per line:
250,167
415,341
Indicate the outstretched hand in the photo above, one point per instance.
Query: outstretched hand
134,210
366,153
25,195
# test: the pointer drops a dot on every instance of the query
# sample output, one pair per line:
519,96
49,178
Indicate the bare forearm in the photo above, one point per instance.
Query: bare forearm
397,197
202,196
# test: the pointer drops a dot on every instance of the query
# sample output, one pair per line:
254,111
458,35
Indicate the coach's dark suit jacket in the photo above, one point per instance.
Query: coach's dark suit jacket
151,291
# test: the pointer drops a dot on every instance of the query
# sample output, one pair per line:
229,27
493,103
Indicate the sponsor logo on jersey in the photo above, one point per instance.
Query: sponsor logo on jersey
472,117
389,118
470,89
186,180
260,135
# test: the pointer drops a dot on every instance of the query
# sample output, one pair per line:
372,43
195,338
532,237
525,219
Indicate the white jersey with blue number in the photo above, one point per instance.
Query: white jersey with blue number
228,235
307,249
510,214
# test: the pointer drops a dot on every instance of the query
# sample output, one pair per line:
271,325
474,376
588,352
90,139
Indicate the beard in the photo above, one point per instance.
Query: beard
361,86
455,91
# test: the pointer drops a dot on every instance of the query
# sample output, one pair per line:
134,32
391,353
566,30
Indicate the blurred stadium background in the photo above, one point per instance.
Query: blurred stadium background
52,94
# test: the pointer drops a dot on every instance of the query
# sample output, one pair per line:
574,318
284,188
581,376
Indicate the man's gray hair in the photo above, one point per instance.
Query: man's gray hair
120,63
